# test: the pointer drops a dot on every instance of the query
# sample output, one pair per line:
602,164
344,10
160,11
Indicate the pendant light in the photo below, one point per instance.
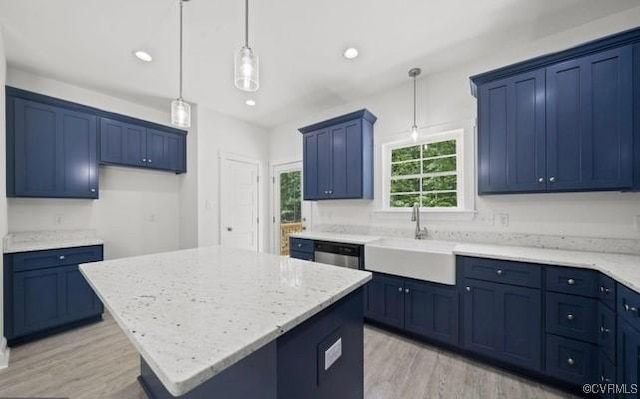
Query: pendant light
414,73
246,76
180,109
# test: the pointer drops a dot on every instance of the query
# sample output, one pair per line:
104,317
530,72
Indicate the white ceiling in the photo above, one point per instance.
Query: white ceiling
300,43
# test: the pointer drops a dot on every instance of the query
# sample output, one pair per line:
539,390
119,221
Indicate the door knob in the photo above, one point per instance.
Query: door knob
570,316
499,272
468,288
406,291
571,281
229,228
570,361
399,289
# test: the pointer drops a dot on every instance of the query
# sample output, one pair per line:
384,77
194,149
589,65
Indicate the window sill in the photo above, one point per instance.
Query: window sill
431,214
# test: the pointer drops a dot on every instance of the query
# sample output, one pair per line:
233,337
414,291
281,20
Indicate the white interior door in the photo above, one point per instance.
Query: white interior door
239,203
290,213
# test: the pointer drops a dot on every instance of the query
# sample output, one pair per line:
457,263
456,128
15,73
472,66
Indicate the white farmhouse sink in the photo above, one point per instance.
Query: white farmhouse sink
420,259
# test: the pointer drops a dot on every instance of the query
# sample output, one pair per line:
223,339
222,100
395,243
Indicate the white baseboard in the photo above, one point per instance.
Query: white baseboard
4,353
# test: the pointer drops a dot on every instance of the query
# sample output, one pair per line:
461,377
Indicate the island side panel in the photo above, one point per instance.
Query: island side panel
293,366
301,354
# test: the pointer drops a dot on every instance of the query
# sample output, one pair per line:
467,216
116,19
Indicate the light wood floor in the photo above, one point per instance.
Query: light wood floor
98,361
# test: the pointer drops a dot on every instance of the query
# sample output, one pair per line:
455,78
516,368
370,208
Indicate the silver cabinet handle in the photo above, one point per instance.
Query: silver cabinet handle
149,160
630,308
144,159
604,330
552,179
499,272
93,190
468,288
604,290
406,290
605,379
570,361
299,245
399,289
570,316
571,281
541,180
61,257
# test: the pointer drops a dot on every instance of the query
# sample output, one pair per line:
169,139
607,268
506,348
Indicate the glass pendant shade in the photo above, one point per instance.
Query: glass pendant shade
246,70
180,113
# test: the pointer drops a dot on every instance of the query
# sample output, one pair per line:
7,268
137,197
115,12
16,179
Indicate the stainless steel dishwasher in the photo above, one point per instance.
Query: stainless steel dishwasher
338,254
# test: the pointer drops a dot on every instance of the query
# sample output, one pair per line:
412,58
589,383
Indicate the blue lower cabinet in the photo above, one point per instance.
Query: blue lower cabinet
628,355
301,255
572,361
50,297
503,322
384,300
572,316
431,310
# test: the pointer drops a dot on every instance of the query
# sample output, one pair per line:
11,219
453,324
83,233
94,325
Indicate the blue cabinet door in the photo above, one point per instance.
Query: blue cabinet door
346,158
431,310
324,163
590,122
503,322
54,152
310,166
80,301
156,157
511,135
384,300
628,354
122,143
38,300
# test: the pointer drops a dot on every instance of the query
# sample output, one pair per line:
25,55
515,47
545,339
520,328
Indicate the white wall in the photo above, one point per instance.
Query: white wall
3,196
139,211
445,102
218,133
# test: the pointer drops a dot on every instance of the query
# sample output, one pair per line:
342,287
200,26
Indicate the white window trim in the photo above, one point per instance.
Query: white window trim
463,207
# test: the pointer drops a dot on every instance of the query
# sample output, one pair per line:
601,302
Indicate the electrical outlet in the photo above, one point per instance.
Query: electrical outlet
152,217
57,220
485,218
503,219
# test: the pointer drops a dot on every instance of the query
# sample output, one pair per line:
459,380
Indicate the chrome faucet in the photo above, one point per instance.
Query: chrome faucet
421,233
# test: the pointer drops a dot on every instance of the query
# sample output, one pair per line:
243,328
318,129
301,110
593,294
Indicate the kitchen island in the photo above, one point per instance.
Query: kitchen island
218,322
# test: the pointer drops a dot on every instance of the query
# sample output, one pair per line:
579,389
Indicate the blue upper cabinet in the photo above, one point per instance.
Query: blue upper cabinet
338,157
590,122
54,146
562,122
51,151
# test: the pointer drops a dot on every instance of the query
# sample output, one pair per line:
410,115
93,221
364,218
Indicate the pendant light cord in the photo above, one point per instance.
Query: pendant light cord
246,23
414,101
181,5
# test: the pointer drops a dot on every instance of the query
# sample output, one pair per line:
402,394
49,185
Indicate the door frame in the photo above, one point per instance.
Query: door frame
274,168
227,156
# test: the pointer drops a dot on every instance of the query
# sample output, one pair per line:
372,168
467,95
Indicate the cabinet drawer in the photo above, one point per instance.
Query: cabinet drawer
568,280
628,306
607,290
607,331
572,316
515,273
300,245
56,257
572,361
301,255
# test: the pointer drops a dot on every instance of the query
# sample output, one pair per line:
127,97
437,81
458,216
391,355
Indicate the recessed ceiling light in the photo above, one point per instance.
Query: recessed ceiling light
350,53
250,102
143,55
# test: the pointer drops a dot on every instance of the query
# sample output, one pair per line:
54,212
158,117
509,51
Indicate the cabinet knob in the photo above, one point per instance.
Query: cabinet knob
299,245
61,257
399,289
144,159
541,180
499,272
330,191
570,361
605,379
149,160
629,308
552,179
406,290
467,288
604,290
604,330
93,190
570,316
571,281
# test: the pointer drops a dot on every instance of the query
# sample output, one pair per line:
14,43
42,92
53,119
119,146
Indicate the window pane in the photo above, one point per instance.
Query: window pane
405,154
406,168
404,200
439,183
405,185
440,148
439,165
439,200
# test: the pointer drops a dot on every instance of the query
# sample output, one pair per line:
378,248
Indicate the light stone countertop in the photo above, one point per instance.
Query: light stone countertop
26,241
193,313
336,237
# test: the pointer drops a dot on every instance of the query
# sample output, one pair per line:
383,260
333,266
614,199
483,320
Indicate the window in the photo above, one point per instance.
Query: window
428,173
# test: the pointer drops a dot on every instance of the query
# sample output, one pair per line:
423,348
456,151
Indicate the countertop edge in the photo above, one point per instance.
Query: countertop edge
178,388
53,245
